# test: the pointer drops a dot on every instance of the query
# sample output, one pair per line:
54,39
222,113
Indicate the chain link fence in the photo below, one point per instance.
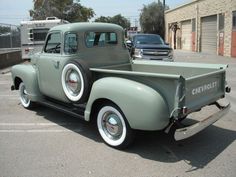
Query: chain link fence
9,36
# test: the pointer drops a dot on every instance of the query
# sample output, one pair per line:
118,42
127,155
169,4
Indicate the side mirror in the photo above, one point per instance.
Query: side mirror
167,43
129,43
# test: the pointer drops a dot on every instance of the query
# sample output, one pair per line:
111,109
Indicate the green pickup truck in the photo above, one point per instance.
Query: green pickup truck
85,70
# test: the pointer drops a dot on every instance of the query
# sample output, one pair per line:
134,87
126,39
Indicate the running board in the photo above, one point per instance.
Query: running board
76,111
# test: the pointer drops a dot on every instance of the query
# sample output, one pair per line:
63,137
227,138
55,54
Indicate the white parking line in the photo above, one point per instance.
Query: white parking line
40,131
36,124
37,127
14,98
8,95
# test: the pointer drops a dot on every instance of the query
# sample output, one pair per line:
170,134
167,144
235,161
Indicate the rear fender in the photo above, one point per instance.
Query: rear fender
143,107
28,75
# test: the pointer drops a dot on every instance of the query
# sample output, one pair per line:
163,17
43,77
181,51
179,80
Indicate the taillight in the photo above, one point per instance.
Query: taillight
184,110
228,89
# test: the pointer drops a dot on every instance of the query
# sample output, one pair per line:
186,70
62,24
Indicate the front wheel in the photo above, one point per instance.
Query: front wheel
113,127
24,99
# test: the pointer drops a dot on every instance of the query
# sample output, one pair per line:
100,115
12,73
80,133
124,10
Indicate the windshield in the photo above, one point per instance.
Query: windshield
148,39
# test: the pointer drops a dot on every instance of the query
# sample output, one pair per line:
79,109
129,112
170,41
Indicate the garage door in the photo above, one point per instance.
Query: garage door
209,34
186,35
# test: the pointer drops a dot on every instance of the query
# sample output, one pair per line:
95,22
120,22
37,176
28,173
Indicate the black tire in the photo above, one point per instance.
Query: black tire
76,81
113,126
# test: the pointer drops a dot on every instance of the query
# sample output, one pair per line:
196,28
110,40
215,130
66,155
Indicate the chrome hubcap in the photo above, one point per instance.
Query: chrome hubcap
112,125
24,95
73,82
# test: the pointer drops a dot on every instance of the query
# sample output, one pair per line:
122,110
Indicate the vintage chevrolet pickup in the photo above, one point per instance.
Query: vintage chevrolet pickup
85,70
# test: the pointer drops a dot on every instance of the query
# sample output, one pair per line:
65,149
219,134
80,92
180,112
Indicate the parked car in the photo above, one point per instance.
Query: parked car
149,47
85,70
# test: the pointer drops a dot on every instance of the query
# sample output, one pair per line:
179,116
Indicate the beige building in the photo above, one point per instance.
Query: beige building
203,26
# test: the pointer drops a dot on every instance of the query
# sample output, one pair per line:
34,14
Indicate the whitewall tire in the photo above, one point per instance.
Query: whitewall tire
24,98
72,82
75,79
113,127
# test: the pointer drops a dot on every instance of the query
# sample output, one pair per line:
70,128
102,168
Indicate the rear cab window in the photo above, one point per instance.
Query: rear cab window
100,39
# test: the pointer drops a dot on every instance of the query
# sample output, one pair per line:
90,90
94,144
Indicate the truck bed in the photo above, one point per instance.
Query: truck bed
181,84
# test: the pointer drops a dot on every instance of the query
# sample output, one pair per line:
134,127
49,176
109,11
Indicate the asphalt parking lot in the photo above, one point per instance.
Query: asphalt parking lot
45,143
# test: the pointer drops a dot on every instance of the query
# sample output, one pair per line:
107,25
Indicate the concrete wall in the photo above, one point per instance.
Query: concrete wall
202,8
10,58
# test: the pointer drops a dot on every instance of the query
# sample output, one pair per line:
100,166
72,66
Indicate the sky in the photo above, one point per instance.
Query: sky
14,11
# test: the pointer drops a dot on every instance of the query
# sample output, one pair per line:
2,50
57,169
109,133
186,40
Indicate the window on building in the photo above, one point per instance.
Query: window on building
71,43
193,24
221,21
100,39
53,44
234,20
38,34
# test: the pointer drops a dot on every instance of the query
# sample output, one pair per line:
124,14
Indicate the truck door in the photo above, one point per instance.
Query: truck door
50,65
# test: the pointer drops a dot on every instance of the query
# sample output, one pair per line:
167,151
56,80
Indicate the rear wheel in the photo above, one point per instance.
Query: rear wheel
24,98
113,127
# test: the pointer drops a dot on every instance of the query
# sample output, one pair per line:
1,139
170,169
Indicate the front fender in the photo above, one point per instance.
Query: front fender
27,73
144,108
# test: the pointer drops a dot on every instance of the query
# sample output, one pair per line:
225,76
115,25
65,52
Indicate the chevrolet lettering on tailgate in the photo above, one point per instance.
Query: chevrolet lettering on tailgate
204,88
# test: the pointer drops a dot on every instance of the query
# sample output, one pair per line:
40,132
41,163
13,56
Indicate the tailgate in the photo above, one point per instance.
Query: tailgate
204,89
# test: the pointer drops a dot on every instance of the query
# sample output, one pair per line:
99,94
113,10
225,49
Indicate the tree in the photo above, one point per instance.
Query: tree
14,30
103,19
63,9
117,19
120,20
174,27
5,29
152,18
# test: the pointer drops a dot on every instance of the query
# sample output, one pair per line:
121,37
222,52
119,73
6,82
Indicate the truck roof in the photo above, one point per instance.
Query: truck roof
87,26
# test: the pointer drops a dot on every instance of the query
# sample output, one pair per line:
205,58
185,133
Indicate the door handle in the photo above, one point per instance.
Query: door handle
56,63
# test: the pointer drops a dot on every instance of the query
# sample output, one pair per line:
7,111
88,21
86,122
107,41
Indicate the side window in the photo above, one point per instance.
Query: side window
193,24
71,43
100,39
234,20
221,22
53,44
38,34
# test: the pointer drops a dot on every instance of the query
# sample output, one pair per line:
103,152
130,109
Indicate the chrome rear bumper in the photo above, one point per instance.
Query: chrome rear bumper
186,132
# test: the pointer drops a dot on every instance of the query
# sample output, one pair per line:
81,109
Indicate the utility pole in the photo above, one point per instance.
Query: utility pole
164,28
11,36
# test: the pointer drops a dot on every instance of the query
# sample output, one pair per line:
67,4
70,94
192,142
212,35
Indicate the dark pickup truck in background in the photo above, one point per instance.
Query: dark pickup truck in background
149,47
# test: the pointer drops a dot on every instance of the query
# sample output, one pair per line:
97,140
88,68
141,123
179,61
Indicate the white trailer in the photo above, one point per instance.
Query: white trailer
33,34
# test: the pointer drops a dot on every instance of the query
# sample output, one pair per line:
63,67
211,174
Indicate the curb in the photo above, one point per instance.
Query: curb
6,71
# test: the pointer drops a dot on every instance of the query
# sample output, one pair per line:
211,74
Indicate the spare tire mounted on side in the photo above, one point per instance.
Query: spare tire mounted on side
76,81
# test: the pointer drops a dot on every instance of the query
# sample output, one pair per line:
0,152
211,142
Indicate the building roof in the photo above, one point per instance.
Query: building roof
182,5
